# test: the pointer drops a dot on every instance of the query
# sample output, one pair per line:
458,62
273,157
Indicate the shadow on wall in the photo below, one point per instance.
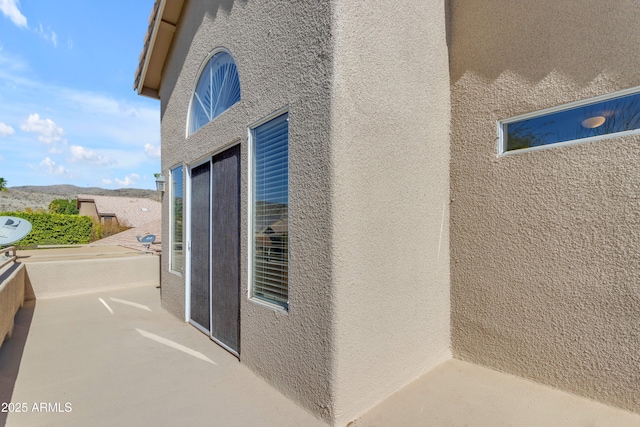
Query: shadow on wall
226,6
581,40
542,245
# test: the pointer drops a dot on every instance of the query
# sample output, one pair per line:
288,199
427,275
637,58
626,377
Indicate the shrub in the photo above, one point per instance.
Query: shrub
54,229
100,231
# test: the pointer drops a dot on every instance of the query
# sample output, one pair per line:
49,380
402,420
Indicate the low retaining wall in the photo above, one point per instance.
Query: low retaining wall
12,280
70,274
51,279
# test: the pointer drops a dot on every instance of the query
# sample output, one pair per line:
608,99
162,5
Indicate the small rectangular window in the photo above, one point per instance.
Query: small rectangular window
270,211
599,118
176,224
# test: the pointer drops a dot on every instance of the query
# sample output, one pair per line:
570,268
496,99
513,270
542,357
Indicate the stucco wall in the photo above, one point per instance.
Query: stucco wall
88,209
283,54
52,279
544,245
390,153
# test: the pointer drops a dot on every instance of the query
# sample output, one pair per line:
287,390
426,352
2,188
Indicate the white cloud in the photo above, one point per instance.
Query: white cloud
11,62
81,154
112,132
109,114
47,33
46,129
6,130
128,180
11,9
55,150
51,167
106,104
152,151
99,103
107,181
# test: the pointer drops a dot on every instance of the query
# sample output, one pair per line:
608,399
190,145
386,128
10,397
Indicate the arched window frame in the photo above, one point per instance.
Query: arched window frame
191,128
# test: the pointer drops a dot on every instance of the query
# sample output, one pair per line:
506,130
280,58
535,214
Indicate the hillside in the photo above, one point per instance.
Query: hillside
39,197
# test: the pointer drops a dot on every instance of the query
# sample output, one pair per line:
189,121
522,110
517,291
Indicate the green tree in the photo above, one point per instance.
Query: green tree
64,206
3,184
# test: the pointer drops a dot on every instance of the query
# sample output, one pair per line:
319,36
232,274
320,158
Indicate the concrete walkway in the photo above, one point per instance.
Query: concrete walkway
117,358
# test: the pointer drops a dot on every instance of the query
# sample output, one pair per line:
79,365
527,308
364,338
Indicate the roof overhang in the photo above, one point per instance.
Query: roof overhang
157,41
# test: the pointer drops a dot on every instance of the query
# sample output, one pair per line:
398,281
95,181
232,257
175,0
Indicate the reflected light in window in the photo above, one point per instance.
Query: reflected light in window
593,122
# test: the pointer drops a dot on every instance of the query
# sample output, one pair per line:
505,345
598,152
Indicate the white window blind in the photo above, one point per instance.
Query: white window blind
271,211
217,90
177,234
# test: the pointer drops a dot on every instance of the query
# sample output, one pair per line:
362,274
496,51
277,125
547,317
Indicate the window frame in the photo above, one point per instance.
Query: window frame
172,255
502,134
201,69
251,210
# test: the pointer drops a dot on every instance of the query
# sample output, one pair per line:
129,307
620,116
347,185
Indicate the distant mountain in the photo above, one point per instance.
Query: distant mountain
72,191
40,196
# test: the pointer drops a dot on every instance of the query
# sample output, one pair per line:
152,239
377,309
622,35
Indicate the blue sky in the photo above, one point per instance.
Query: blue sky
68,111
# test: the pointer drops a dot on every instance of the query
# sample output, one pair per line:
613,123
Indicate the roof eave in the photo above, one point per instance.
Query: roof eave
162,26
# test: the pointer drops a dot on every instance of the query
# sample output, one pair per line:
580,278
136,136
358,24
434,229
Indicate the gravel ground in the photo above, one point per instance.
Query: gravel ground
18,199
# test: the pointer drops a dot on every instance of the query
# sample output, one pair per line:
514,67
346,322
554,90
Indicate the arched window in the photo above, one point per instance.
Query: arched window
217,90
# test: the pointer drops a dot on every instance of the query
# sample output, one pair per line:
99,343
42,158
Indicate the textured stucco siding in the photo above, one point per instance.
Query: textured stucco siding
283,54
89,209
390,154
545,245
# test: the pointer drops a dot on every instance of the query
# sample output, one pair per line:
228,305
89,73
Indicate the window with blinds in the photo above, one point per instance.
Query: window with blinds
177,208
217,90
270,192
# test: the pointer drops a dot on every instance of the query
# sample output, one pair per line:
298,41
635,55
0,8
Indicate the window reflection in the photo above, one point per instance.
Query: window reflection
177,253
612,116
271,211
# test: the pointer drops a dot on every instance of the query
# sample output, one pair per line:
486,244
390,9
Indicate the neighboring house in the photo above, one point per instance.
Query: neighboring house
87,207
126,211
415,163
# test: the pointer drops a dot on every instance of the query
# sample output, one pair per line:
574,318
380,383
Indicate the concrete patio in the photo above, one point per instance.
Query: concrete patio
117,358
